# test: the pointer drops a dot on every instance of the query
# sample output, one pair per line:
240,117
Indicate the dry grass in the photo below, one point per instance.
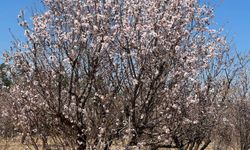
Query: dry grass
11,144
14,144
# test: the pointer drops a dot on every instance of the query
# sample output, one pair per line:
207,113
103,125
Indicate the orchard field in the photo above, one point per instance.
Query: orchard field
124,74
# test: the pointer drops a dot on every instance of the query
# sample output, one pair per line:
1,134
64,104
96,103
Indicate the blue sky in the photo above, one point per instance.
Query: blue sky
233,15
9,10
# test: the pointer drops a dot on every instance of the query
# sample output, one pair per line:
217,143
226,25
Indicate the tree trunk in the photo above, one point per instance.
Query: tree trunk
178,143
133,141
108,144
81,141
191,146
45,145
23,137
197,145
206,144
244,147
34,143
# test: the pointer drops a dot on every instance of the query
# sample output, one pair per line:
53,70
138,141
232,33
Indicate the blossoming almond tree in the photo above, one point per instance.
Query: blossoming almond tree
102,70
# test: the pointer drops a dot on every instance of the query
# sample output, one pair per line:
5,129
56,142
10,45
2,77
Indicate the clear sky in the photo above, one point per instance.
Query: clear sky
233,15
9,10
